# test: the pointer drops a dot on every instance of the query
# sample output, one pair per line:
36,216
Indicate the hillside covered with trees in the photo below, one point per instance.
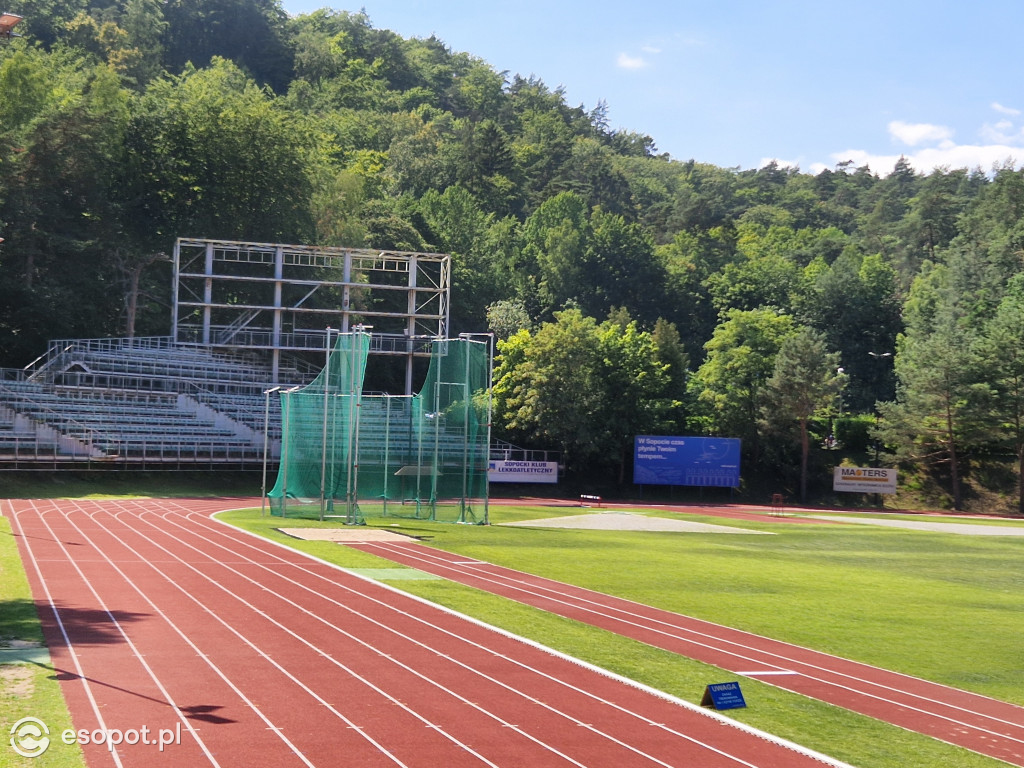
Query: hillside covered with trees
881,310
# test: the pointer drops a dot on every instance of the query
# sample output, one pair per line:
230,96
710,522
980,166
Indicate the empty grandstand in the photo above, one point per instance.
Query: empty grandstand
250,321
142,402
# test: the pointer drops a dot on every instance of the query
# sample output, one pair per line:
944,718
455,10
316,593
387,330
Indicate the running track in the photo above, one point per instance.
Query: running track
158,617
984,725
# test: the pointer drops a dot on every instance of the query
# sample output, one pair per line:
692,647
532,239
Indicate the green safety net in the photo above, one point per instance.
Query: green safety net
348,455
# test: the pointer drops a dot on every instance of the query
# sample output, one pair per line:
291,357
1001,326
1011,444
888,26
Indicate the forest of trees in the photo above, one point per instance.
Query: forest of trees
633,292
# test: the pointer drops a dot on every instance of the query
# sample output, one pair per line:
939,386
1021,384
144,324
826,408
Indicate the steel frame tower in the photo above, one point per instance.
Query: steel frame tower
274,297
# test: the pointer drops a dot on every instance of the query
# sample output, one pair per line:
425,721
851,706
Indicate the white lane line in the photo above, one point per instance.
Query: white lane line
194,517
585,603
293,634
191,644
16,522
379,652
145,665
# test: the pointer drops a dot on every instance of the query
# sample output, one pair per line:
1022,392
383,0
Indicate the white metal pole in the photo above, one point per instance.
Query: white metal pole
323,451
266,445
286,409
487,445
485,459
465,427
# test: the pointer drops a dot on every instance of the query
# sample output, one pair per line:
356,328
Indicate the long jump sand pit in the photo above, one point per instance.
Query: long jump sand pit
627,521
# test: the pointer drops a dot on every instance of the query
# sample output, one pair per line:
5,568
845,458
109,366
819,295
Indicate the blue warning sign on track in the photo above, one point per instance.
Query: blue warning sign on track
668,460
723,696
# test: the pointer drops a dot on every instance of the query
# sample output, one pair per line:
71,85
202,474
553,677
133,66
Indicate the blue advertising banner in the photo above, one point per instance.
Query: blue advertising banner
666,460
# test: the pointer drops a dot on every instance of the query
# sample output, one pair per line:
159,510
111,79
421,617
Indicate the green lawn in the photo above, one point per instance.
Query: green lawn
940,606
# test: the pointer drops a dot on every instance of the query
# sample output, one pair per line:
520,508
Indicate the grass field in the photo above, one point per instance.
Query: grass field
944,607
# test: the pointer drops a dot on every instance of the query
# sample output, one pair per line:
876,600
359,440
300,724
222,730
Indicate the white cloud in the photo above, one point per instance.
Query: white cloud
913,134
1004,110
947,155
650,49
1002,132
932,146
631,62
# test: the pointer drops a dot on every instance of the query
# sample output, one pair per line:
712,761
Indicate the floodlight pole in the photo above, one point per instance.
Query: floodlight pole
266,444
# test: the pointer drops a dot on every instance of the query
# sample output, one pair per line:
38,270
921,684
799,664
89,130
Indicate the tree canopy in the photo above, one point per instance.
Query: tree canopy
635,291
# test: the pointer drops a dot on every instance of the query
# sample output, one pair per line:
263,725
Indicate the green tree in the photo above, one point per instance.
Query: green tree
250,33
143,22
457,225
1002,359
506,318
592,171
941,407
930,224
336,205
620,269
60,151
855,303
554,239
726,388
806,380
584,387
986,252
688,261
637,389
213,154
45,20
555,395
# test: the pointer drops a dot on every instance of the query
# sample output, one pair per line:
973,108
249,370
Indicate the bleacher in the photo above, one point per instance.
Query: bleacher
137,402
18,438
150,403
385,428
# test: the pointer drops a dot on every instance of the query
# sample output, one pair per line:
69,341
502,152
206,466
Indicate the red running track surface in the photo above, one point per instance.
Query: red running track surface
978,723
159,618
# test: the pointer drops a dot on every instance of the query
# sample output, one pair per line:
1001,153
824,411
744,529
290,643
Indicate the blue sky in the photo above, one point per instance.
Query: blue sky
737,83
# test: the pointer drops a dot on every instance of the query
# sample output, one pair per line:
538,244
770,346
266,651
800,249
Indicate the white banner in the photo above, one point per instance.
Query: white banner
523,472
864,480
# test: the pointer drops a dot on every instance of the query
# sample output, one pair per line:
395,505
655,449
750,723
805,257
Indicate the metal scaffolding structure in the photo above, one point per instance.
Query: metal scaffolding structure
274,297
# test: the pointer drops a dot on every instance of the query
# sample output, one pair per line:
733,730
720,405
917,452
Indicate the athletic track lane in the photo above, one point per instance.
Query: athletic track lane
982,724
157,616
